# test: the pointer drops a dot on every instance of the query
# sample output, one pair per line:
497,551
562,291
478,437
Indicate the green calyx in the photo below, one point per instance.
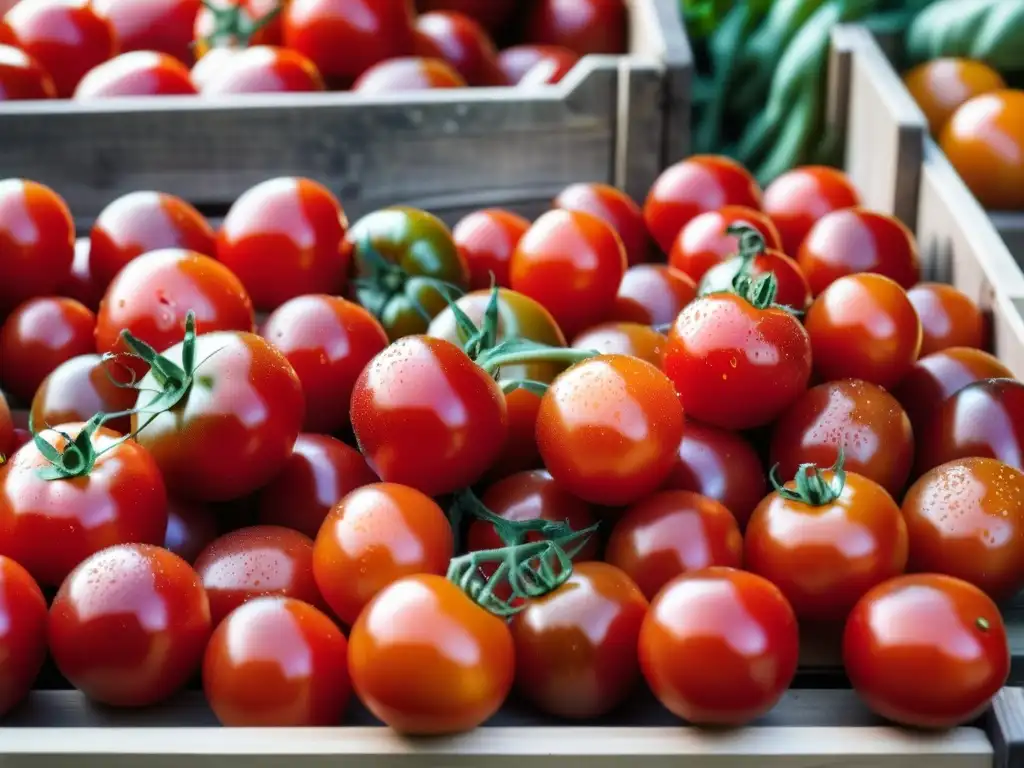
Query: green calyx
751,241
233,26
78,456
465,503
811,487
174,380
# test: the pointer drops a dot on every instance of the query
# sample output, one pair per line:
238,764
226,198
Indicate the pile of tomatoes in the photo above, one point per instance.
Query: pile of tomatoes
423,466
94,49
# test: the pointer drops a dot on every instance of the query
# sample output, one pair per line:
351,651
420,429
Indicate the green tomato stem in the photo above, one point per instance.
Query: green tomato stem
812,488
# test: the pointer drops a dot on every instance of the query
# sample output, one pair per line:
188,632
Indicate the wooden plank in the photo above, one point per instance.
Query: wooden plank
1004,724
1010,225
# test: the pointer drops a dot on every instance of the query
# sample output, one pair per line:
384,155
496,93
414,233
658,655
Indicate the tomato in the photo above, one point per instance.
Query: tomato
23,619
237,24
693,186
652,294
22,77
948,318
548,71
80,285
797,199
545,64
328,342
277,662
984,140
6,430
191,527
76,390
615,208
129,625
492,14
985,418
264,69
608,429
445,681
704,242
584,26
632,339
940,375
7,36
464,44
572,263
719,646
863,326
926,651
344,38
854,240
940,86
408,73
400,256
233,428
487,239
164,26
138,73
211,65
793,291
282,238
40,335
37,242
863,419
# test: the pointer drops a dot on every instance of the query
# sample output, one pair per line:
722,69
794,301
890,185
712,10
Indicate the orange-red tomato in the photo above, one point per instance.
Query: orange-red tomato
22,77
261,69
80,284
652,294
487,239
615,208
23,620
464,44
584,26
948,318
940,86
408,73
633,339
153,25
536,64
793,290
704,243
76,390
797,199
137,73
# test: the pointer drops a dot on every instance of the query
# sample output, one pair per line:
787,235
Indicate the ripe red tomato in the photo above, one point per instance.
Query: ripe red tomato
237,24
164,26
673,532
80,284
927,651
793,289
328,341
572,263
548,71
277,662
37,337
7,36
428,387
544,64
576,651
191,527
584,26
23,620
608,429
863,419
373,537
140,222
283,239
263,69
652,294
463,44
6,430
704,242
138,73
408,73
797,199
50,526
487,239
719,646
632,339
22,77
693,186
492,14
76,390
615,208
129,625
464,666
37,242
948,318
211,65
863,326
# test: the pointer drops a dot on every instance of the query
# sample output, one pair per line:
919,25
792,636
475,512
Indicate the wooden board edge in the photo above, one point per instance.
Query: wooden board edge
1004,724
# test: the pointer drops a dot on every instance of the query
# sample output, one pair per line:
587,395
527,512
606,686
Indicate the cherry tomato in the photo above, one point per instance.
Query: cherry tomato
138,73
492,14
863,326
704,243
652,294
408,73
76,390
572,263
545,64
487,239
40,335
548,71
191,527
793,290
7,36
6,430
615,208
693,186
926,651
22,77
861,418
608,429
797,199
237,24
274,662
854,240
283,239
948,318
584,26
164,26
719,646
464,45
632,339
264,69
328,341
129,625
23,619
81,285
940,86
430,388
211,65
37,242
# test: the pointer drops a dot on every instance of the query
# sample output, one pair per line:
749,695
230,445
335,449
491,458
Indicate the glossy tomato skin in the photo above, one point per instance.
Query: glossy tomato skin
80,284
927,651
129,625
548,71
328,341
264,69
464,667
137,73
7,439
430,388
691,187
794,290
703,242
76,390
615,208
584,26
719,646
863,326
40,335
23,620
211,65
408,73
463,44
941,86
863,419
164,26
487,239
652,294
373,537
544,64
22,77
572,263
797,199
191,528
948,318
277,662
632,339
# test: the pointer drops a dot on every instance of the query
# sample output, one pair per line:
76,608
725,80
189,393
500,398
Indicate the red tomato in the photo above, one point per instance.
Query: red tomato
37,242
328,341
693,186
283,239
375,536
615,208
948,318
464,666
164,26
138,73
572,263
129,625
76,390
487,239
793,289
863,326
492,14
6,430
22,77
673,532
428,387
464,44
854,240
23,622
719,646
926,651
191,527
81,285
704,243
211,65
7,36
608,429
545,64
576,651
237,24
277,662
632,339
584,26
37,337
652,294
797,199
263,69
408,73
548,71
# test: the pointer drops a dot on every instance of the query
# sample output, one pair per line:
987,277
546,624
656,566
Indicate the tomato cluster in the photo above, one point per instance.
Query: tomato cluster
313,459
